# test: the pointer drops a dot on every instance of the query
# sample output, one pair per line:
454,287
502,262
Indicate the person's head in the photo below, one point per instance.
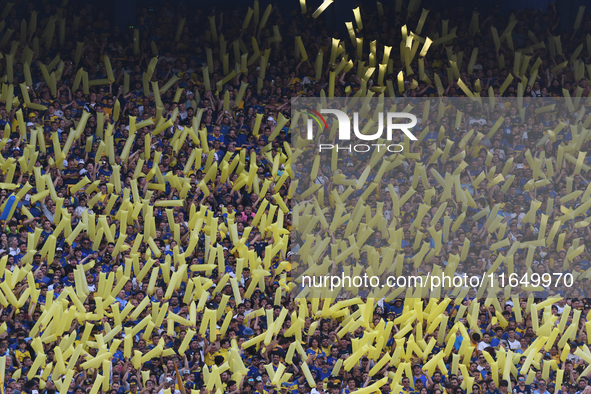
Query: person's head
416,369
405,382
498,332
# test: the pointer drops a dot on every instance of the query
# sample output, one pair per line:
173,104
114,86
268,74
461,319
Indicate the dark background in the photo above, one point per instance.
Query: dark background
340,11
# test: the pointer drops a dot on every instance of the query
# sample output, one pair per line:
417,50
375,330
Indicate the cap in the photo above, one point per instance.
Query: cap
284,385
248,331
30,124
32,115
520,166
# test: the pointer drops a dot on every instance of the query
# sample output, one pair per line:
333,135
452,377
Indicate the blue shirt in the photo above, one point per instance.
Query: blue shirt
211,138
323,375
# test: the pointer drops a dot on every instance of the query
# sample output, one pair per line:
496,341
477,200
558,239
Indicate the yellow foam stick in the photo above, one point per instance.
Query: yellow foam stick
569,333
358,20
564,354
559,67
39,360
281,203
169,203
303,6
226,323
95,362
67,381
154,248
506,84
110,75
140,308
266,15
187,340
380,364
300,44
169,84
247,18
322,8
465,89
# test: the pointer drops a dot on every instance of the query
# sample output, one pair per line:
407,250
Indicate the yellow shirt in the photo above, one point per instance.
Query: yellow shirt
20,355
209,359
225,353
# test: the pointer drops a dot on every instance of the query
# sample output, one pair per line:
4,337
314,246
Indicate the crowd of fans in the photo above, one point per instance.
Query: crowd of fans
181,37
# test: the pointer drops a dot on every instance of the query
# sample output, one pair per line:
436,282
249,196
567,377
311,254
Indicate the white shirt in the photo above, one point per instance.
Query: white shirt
513,344
173,392
80,209
480,121
575,359
560,308
142,108
519,218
